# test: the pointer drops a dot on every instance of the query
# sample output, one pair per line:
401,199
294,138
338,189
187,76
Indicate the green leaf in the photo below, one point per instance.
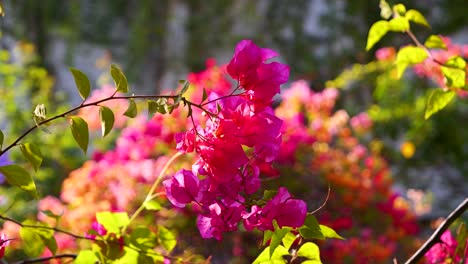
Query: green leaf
51,214
376,33
269,194
113,222
267,236
152,205
436,101
277,237
80,132
409,55
276,258
454,77
435,42
19,177
152,108
119,79
288,240
204,96
143,238
2,137
456,62
310,251
399,9
132,110
82,82
385,9
86,257
32,242
399,24
416,17
107,120
32,153
311,228
328,232
166,238
47,236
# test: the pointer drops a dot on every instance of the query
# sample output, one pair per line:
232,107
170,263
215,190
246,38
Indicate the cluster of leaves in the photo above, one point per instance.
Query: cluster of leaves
453,69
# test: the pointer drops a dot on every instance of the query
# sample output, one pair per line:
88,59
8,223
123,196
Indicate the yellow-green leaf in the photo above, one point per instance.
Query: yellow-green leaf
17,176
409,55
152,205
385,9
185,87
80,132
276,258
329,232
32,242
86,257
166,238
310,251
119,78
288,240
399,24
112,222
132,110
82,83
437,100
376,32
416,17
456,62
32,153
435,42
107,120
399,9
455,78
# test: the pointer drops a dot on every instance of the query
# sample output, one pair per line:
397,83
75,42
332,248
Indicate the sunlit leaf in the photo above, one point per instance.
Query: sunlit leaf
277,237
437,100
462,238
132,110
399,9
17,176
86,257
80,132
119,79
376,32
385,9
32,243
310,251
288,240
409,55
166,238
112,222
435,42
47,236
454,77
152,205
399,24
328,232
416,17
456,62
276,258
82,82
107,120
32,153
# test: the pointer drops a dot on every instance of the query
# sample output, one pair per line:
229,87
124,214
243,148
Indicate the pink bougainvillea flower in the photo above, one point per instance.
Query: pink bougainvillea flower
444,252
282,208
221,218
182,188
4,242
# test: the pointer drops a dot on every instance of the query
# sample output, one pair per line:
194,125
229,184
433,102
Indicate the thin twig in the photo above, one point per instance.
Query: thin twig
45,227
435,237
43,259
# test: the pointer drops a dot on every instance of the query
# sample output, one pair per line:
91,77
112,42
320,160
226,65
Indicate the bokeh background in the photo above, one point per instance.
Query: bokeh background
159,42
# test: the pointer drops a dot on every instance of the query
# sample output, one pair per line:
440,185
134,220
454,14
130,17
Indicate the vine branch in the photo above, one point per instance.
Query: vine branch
43,259
435,237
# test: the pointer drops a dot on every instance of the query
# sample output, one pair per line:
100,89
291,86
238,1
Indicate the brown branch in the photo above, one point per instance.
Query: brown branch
435,237
45,227
82,105
43,259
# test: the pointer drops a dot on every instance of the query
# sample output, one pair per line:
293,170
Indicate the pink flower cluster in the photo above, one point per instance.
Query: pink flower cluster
241,136
444,251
